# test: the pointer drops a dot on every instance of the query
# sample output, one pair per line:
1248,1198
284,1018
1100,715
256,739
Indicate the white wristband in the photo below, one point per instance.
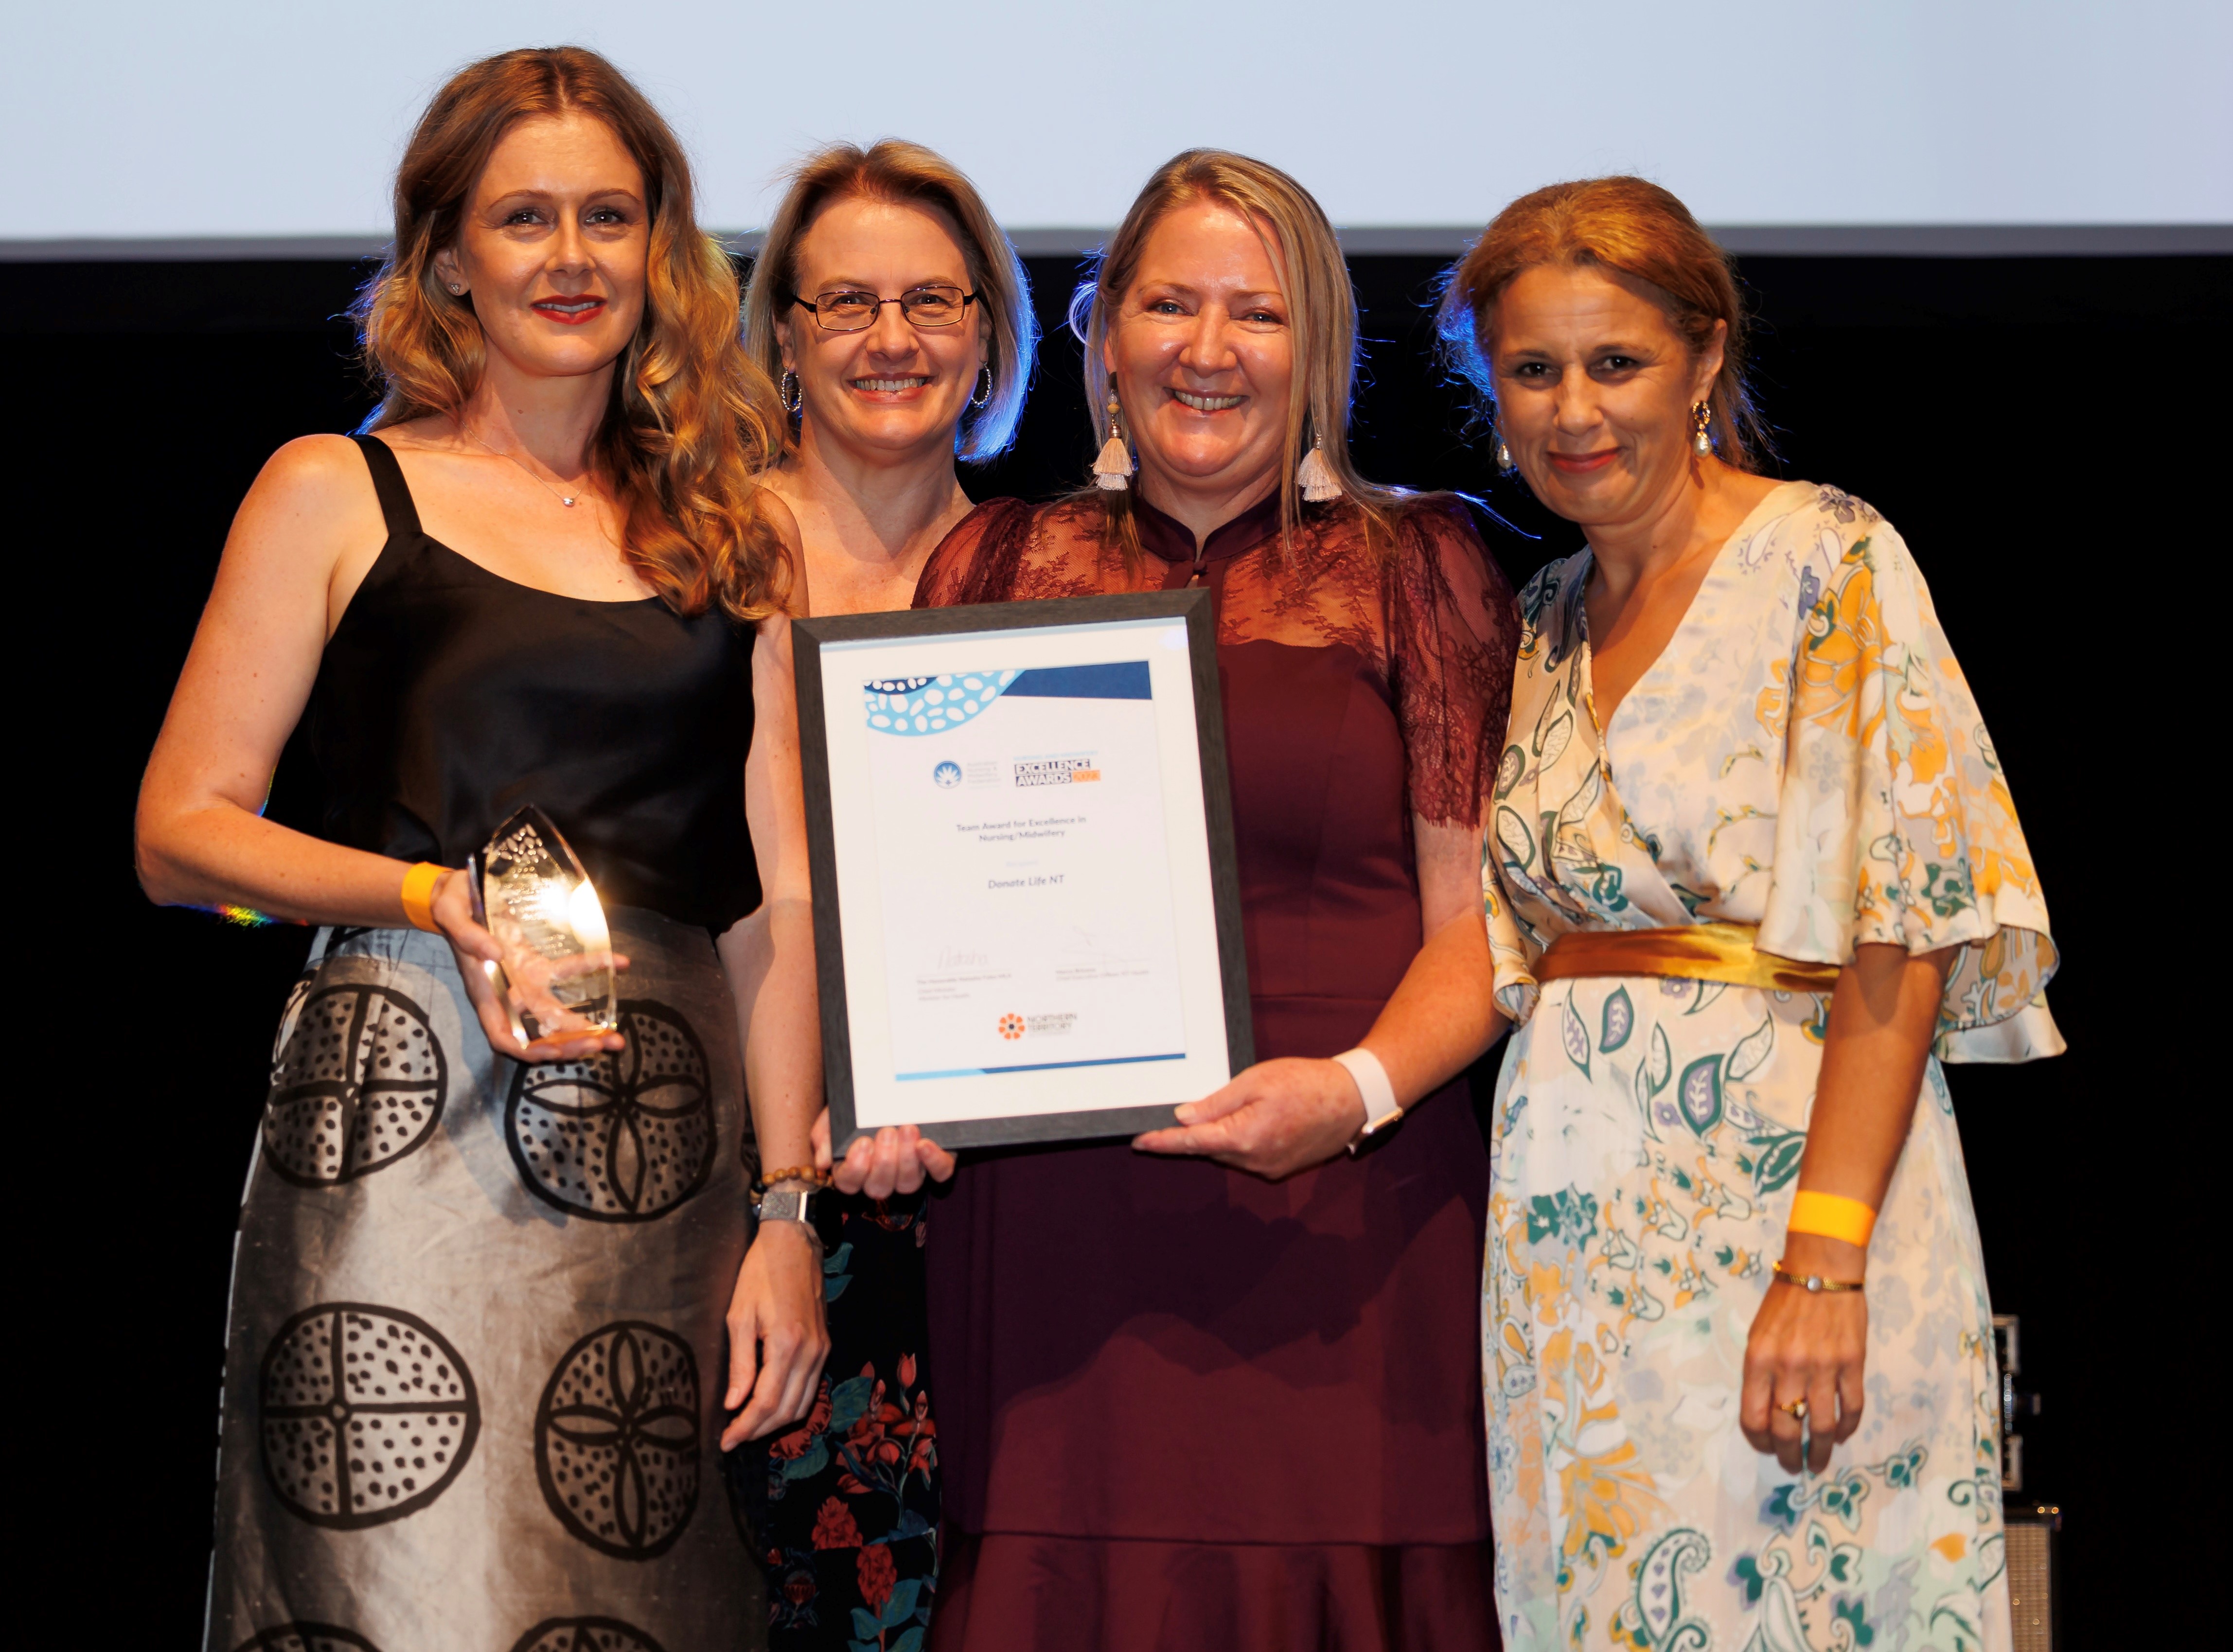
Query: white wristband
1380,1107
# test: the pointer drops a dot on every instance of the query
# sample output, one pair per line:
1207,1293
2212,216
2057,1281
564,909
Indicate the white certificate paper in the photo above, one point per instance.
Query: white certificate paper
1022,872
1026,889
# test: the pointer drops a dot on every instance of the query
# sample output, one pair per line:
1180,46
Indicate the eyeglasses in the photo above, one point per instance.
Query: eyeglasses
845,311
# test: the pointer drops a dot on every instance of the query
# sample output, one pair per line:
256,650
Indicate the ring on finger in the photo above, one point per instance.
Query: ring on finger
1795,1409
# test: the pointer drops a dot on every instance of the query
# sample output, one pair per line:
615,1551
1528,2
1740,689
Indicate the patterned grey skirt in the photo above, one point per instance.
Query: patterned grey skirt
475,1365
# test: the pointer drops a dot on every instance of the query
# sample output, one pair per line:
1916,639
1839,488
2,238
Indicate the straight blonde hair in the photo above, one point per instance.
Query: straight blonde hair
1321,318
691,420
906,173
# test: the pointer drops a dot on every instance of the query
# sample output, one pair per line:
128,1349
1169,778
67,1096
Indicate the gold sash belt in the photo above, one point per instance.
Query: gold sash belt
1714,952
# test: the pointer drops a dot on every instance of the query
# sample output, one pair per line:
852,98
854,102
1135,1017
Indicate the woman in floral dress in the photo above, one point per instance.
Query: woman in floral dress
1752,872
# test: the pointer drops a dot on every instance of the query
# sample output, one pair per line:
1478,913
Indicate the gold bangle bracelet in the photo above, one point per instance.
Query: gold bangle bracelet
1815,1282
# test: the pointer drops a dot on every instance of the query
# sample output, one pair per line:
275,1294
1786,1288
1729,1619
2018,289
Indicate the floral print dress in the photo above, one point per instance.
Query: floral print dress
845,1506
1805,756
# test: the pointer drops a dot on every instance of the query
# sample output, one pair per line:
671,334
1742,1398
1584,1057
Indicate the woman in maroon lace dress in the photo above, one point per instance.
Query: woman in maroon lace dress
1218,1388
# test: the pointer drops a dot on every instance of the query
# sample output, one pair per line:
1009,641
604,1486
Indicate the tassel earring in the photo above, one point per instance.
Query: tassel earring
1113,469
1702,420
1316,477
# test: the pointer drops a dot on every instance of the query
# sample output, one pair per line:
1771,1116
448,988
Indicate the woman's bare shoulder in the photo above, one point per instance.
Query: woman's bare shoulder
776,503
775,509
313,486
312,466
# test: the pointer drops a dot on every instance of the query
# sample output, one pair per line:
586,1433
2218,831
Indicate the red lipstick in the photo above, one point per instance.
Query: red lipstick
1582,464
585,306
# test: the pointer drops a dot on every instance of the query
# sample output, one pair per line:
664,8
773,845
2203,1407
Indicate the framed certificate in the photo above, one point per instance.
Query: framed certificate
1026,918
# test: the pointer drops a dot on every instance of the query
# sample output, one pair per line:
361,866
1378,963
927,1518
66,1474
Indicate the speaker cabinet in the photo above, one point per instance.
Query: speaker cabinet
2035,1580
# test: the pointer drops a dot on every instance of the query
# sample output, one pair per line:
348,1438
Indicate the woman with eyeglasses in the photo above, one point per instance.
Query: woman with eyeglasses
1218,1387
897,321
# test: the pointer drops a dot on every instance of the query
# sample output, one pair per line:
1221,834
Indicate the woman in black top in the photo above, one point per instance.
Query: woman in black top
475,1375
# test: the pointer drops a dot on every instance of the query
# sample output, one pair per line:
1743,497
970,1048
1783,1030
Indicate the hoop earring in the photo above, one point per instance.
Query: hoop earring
1702,420
1113,469
791,392
984,389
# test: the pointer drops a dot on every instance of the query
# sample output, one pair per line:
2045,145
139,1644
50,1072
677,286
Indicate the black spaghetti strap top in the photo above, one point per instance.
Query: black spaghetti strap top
449,696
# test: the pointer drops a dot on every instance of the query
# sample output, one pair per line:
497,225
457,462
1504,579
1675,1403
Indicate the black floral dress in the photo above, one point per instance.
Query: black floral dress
845,1506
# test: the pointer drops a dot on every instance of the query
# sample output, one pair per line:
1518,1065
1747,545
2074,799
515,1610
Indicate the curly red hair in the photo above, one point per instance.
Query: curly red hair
693,419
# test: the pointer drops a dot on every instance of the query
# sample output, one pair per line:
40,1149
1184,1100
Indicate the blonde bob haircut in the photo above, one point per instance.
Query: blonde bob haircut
1623,223
906,174
1321,319
691,420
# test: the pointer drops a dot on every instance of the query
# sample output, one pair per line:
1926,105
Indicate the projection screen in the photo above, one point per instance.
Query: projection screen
1900,125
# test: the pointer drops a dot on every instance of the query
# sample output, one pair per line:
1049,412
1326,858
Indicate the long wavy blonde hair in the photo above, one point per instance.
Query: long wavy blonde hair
691,420
1321,317
904,173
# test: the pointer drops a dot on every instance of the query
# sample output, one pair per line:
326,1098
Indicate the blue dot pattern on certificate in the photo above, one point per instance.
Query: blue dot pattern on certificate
931,705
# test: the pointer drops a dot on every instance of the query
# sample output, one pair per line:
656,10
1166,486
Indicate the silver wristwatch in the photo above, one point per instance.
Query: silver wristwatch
788,1205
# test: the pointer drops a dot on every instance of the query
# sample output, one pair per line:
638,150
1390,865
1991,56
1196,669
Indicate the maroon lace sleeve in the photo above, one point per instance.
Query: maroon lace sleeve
1453,634
978,560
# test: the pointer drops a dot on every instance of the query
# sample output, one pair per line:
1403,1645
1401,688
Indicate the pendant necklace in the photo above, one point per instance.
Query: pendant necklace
565,499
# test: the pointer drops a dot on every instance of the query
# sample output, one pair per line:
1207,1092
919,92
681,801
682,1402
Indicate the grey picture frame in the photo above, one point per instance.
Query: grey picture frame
809,635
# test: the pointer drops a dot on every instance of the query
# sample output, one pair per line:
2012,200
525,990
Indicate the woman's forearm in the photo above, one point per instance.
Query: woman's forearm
214,853
1883,1017
771,954
1443,1013
770,960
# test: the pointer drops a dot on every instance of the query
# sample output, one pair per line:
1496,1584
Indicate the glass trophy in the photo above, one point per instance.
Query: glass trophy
530,893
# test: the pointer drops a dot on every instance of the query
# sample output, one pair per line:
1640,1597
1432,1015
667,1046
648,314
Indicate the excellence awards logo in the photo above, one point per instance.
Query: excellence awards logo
947,775
1056,771
1011,1027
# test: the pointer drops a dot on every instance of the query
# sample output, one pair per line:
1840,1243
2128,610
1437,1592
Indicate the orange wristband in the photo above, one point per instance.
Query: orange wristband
419,895
1832,1216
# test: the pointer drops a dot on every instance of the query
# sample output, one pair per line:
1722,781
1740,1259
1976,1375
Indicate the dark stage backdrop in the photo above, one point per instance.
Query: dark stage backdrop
2027,424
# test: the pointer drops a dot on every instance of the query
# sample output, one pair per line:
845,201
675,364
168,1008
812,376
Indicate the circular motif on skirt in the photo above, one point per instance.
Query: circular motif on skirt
585,1634
306,1637
367,1413
358,1084
619,1138
617,1439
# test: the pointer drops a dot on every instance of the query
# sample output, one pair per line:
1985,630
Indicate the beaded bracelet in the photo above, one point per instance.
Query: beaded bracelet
791,1173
